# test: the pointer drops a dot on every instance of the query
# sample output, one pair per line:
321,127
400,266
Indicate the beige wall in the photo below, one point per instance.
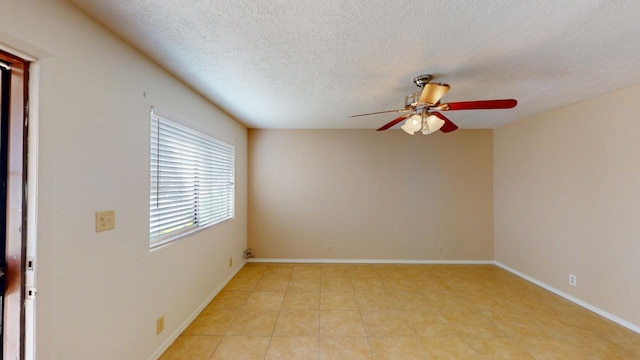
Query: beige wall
567,200
370,195
99,294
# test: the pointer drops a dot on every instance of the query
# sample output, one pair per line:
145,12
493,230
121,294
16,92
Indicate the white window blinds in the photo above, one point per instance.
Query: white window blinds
192,181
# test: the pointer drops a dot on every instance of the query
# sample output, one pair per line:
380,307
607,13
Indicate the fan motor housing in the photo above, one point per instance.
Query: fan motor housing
411,100
422,79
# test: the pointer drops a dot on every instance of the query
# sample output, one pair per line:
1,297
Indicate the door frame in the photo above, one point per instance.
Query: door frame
26,117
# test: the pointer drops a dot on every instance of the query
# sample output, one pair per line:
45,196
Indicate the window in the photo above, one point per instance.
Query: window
192,181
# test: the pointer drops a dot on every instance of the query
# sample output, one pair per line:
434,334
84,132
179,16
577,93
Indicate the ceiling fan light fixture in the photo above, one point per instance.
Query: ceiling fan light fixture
412,124
422,109
431,124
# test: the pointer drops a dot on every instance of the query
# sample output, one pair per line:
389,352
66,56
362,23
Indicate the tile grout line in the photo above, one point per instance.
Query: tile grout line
277,319
364,328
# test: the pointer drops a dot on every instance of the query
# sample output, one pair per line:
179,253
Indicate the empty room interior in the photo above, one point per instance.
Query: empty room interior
494,214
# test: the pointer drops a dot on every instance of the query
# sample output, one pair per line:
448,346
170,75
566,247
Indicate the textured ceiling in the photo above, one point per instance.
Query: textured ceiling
312,64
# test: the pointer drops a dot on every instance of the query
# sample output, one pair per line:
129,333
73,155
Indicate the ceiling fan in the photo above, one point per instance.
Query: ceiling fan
423,108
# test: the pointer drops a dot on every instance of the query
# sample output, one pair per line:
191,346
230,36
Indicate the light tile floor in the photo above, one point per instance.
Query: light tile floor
367,311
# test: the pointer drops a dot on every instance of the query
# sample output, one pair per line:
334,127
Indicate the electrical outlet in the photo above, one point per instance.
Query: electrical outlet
573,280
441,250
327,248
105,220
230,262
160,325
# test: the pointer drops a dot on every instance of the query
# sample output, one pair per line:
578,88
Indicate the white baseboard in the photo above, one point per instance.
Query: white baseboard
194,315
573,299
373,261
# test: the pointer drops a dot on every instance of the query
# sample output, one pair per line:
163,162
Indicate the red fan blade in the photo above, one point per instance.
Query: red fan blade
391,123
381,112
448,126
482,105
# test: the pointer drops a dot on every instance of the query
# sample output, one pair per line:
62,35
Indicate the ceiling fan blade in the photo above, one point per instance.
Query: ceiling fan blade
433,92
391,123
381,112
448,126
482,105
